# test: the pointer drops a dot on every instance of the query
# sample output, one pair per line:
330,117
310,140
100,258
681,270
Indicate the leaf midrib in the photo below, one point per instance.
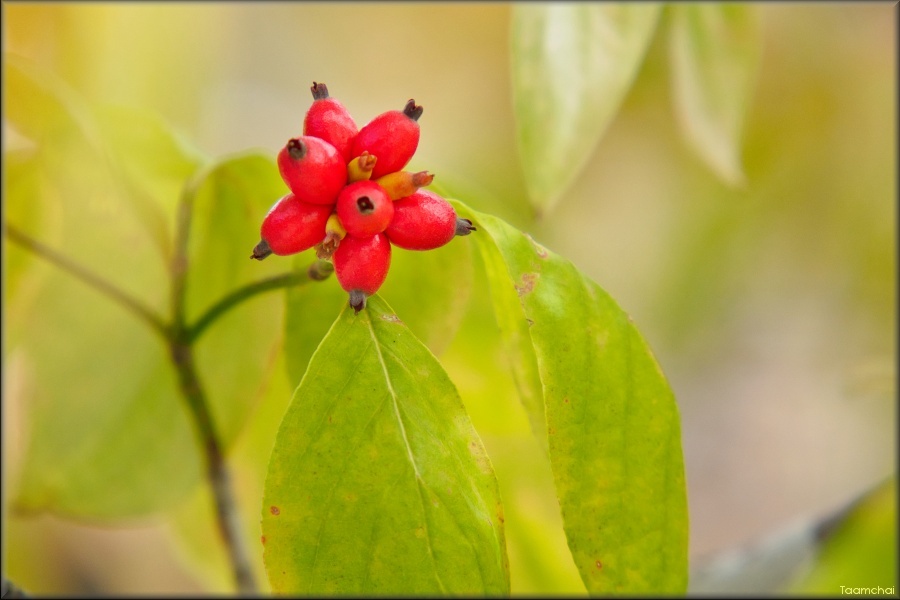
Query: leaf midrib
412,460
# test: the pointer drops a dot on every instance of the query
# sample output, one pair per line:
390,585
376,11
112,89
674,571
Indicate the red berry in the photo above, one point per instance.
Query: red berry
424,221
291,226
329,120
313,170
361,266
392,136
364,208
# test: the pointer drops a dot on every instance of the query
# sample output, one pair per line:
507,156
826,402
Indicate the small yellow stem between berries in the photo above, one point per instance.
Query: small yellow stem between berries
360,168
403,183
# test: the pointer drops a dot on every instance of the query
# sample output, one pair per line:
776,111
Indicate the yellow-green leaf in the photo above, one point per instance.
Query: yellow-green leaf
715,49
572,64
611,421
378,483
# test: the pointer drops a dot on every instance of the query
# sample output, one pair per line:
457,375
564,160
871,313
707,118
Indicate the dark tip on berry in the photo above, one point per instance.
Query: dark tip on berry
358,300
320,270
319,91
464,226
365,205
412,110
261,250
296,148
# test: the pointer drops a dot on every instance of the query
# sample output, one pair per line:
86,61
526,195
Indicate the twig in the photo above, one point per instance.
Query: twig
88,277
183,357
241,294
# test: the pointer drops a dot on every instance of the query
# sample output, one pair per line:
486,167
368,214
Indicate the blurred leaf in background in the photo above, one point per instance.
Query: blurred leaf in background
572,64
715,50
90,453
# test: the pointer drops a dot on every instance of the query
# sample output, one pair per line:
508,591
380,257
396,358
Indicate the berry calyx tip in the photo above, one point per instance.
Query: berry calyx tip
358,300
261,250
319,91
464,226
412,110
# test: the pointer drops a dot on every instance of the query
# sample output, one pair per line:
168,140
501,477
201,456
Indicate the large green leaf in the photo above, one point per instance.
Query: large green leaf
611,420
146,162
106,434
237,353
102,387
98,391
378,483
715,50
572,64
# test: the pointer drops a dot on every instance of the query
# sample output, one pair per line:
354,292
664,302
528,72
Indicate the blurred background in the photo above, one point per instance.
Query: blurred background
771,308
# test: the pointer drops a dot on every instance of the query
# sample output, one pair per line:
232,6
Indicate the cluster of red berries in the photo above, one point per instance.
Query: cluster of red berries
350,199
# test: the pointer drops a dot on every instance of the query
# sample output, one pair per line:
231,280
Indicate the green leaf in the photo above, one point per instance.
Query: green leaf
430,290
105,425
715,50
145,162
151,163
107,436
39,104
515,337
309,314
572,65
378,483
611,420
237,354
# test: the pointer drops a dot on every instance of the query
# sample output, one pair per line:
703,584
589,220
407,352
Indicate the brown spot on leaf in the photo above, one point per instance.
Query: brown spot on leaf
566,400
275,510
527,284
599,565
391,318
262,539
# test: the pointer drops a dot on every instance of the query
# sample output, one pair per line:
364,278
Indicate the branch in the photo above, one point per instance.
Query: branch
89,277
198,405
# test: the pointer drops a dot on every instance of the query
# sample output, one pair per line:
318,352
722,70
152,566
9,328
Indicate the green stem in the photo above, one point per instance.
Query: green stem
90,278
241,294
319,270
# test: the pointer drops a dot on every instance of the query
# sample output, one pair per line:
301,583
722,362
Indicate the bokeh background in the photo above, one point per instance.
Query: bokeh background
771,308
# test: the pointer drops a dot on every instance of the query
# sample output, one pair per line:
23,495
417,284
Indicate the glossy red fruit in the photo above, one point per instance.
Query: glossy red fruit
361,266
364,208
424,221
313,169
329,120
392,136
291,226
